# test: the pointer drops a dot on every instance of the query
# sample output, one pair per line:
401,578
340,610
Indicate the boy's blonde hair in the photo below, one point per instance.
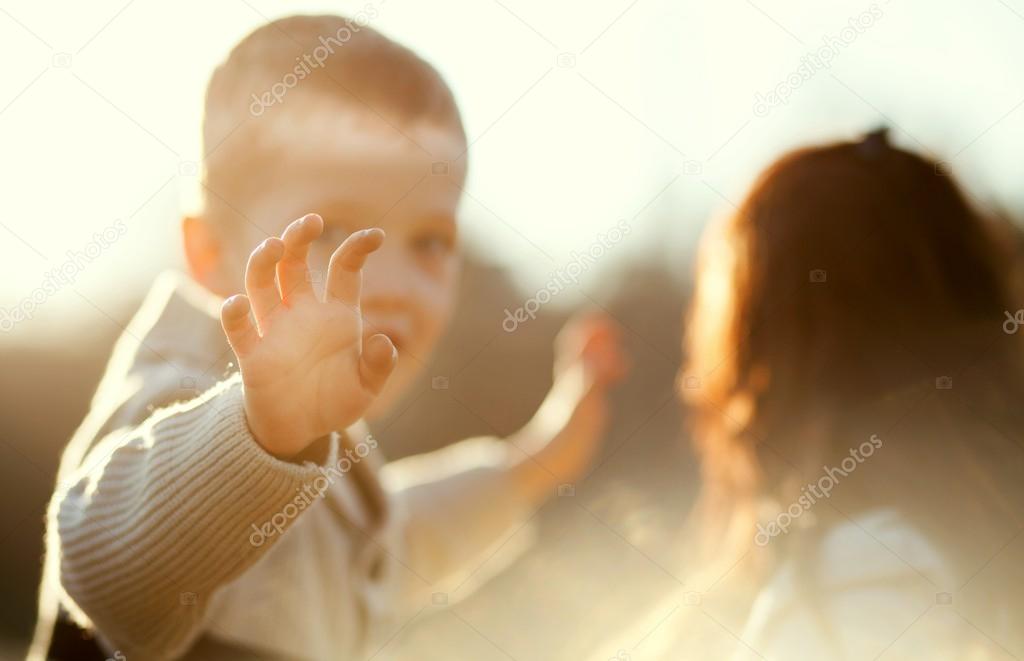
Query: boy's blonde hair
285,70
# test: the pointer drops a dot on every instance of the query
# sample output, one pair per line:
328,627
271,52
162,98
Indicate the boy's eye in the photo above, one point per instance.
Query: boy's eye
433,244
334,235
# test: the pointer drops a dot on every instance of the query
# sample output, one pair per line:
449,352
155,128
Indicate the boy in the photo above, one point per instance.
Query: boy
202,513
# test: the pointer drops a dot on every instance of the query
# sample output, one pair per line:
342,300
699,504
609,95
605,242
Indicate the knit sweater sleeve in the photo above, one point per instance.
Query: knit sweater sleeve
457,510
161,514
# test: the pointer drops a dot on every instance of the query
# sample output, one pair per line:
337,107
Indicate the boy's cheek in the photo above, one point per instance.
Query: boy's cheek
435,307
226,276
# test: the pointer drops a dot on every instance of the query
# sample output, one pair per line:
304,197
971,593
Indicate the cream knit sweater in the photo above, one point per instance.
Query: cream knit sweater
171,529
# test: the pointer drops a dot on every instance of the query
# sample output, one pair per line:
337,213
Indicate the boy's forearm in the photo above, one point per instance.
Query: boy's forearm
552,416
534,483
543,461
556,446
180,506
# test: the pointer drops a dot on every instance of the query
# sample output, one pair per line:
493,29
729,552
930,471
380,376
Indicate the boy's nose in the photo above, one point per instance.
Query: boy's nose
388,284
399,327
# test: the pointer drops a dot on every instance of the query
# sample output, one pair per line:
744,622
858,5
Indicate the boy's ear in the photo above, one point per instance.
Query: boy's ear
204,254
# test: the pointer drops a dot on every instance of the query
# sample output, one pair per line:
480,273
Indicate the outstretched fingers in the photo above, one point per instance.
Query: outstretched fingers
260,282
238,326
344,277
292,270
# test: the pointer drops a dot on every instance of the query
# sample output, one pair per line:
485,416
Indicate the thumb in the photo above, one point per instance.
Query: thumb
377,361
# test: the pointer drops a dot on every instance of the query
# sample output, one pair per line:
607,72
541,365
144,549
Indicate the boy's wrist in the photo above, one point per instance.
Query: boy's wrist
316,452
276,444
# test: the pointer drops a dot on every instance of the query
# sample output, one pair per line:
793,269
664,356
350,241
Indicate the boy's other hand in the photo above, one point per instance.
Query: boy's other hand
564,435
305,368
590,344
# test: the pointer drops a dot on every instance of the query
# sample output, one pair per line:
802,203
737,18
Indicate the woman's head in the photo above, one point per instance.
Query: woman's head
842,264
850,272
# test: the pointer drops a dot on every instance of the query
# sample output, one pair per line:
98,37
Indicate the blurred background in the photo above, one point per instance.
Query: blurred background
581,115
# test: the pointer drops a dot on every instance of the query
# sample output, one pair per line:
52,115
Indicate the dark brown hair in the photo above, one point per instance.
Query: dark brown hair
855,278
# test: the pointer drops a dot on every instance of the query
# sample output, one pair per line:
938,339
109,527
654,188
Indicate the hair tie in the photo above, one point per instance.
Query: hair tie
875,142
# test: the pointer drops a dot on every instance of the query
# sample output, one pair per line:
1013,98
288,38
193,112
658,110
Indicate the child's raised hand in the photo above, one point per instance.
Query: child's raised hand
589,345
305,367
588,361
564,435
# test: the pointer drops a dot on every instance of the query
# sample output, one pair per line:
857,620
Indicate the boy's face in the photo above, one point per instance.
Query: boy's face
376,177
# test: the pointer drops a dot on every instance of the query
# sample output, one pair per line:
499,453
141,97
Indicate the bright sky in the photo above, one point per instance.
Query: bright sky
581,114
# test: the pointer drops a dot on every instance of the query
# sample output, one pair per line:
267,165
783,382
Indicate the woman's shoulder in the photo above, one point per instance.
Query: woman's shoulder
874,586
868,586
878,545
